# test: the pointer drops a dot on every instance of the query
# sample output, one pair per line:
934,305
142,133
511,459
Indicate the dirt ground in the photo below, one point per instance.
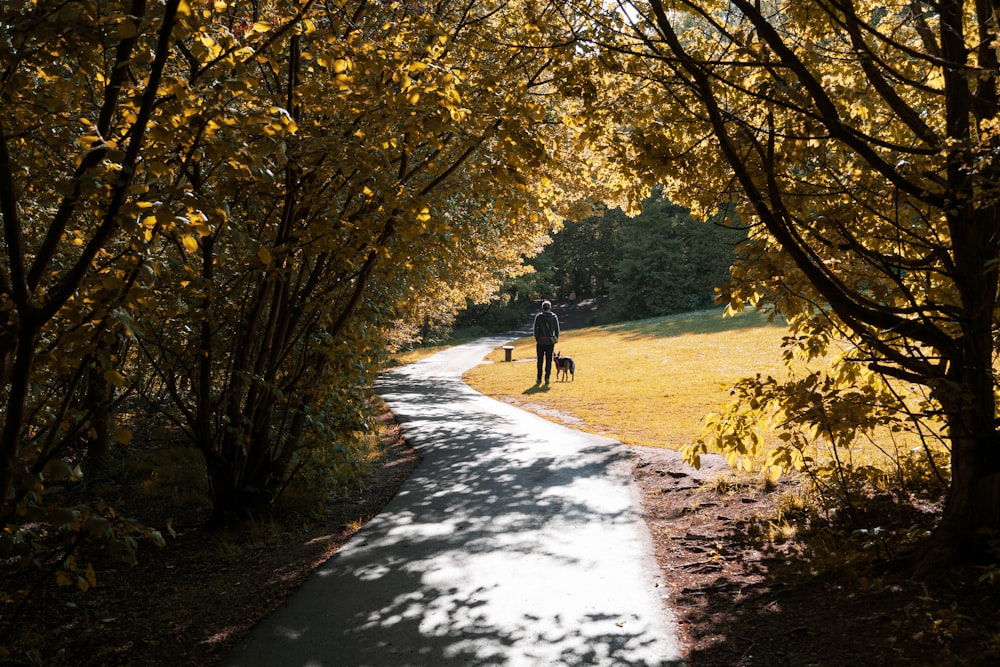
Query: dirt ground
755,581
750,584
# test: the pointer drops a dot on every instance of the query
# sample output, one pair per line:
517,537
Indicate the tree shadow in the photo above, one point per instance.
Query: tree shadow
864,614
694,323
755,587
513,542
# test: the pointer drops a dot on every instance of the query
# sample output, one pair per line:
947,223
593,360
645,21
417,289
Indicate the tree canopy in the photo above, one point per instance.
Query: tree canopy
217,212
858,140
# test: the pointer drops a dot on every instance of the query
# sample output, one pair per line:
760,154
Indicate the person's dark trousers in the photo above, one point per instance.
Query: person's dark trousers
544,352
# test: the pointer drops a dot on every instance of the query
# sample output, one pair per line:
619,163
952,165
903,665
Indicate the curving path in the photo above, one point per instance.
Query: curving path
516,541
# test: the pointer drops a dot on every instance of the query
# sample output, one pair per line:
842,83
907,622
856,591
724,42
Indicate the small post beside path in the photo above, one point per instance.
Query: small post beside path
507,351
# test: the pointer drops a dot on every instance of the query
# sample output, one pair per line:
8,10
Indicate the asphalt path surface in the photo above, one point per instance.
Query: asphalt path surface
516,541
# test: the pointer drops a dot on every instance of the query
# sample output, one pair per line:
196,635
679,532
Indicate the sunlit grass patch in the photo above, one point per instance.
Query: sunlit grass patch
652,383
644,383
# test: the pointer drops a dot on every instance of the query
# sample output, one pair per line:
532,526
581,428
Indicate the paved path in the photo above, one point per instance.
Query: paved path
515,542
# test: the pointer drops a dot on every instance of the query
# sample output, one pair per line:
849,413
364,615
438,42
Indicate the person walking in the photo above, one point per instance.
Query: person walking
546,337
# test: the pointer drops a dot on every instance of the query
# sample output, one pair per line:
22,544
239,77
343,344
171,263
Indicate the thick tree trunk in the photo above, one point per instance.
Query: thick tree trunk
971,515
238,489
14,417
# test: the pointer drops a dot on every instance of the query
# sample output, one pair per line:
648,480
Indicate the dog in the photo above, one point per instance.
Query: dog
565,367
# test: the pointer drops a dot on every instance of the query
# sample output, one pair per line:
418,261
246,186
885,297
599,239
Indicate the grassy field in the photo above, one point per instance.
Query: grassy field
644,383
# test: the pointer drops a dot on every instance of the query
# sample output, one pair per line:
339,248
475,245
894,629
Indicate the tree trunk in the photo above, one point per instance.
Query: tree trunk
100,394
972,507
971,516
17,398
237,489
971,513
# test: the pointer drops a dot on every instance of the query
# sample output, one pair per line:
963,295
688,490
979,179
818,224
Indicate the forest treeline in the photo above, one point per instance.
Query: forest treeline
659,261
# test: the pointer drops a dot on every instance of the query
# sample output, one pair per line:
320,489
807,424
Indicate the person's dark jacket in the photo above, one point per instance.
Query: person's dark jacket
546,328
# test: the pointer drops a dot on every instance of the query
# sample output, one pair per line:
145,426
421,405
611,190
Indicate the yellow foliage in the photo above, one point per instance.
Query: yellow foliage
393,156
114,378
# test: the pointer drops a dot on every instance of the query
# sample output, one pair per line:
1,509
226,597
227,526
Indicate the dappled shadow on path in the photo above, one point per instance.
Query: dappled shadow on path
512,543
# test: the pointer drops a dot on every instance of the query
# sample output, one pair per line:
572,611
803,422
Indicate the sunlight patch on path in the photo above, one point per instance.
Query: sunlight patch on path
515,542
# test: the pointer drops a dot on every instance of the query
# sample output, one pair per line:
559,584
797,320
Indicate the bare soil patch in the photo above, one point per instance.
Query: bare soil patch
753,587
744,594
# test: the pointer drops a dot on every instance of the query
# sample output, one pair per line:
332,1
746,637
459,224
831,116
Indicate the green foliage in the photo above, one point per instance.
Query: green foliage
582,258
658,262
670,262
502,313
510,308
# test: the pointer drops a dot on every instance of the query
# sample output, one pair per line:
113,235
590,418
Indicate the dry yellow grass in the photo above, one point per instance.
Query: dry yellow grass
645,383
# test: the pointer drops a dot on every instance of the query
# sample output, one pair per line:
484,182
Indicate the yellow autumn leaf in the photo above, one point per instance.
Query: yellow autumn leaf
190,243
127,29
260,26
264,255
113,377
123,435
